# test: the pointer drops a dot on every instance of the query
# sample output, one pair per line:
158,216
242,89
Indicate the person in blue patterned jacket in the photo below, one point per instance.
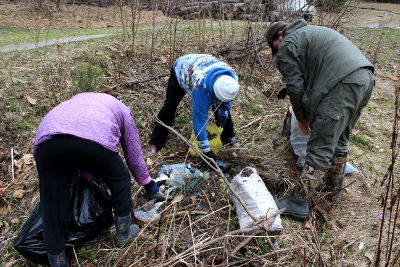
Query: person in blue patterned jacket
210,83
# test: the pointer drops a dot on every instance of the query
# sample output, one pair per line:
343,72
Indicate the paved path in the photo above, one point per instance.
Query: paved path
27,46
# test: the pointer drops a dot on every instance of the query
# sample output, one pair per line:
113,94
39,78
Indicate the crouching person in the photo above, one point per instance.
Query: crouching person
212,84
84,133
329,81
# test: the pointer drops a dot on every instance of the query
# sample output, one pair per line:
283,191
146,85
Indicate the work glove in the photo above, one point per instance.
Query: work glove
211,154
282,93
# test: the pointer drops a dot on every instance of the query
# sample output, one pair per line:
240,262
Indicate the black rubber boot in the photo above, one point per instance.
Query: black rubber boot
58,260
125,232
297,208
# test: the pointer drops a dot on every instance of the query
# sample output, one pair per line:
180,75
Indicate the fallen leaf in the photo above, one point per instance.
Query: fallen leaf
18,194
397,222
7,227
307,225
381,150
31,100
193,198
149,162
16,220
177,199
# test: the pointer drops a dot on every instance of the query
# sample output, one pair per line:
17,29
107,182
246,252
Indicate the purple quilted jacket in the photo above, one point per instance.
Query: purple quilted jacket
100,118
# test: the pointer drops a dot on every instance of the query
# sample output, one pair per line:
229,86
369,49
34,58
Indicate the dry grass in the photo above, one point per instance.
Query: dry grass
182,236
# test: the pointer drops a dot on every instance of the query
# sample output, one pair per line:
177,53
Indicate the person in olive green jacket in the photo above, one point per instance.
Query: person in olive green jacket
329,81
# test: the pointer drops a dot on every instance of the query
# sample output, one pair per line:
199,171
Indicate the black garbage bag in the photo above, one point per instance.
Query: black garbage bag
90,212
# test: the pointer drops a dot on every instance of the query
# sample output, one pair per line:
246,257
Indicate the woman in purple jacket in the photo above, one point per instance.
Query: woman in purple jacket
83,133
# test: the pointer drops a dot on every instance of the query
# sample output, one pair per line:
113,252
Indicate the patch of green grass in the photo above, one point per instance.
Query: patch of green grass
93,59
250,109
375,42
89,255
247,77
360,141
87,78
18,36
21,126
360,126
184,118
11,250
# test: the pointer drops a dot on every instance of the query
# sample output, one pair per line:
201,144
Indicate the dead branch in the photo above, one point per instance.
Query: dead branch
214,166
260,225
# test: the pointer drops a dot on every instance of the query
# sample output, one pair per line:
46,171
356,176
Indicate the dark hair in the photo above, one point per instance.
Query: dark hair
275,37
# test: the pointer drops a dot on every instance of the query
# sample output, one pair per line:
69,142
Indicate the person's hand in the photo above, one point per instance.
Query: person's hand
303,126
211,154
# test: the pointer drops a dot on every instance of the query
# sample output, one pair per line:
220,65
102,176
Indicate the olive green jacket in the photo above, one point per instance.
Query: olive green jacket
312,60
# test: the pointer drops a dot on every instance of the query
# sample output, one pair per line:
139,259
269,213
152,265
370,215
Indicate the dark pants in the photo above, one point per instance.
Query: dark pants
57,160
167,114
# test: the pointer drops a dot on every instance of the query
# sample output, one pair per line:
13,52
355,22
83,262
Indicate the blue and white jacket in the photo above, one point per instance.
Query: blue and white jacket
196,74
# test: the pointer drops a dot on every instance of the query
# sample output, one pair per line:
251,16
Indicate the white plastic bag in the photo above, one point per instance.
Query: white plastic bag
299,144
257,198
176,174
148,212
298,139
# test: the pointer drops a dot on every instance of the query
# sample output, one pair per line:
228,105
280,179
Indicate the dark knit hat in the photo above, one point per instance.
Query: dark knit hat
272,32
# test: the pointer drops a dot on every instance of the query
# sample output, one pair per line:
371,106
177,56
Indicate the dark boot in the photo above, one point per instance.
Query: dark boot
335,175
339,189
58,260
297,208
125,232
